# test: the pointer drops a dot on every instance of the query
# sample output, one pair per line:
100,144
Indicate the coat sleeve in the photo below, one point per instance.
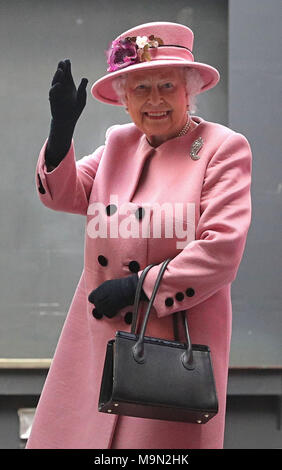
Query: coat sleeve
67,188
212,260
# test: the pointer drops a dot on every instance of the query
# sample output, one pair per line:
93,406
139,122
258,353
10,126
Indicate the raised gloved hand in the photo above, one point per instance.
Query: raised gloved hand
113,295
67,104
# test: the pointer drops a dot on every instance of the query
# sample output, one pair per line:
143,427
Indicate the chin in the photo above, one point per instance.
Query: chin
158,129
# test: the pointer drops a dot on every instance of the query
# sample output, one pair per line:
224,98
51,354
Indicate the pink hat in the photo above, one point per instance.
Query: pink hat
150,45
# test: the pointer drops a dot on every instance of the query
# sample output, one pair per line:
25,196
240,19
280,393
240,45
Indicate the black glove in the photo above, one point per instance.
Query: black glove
114,294
66,104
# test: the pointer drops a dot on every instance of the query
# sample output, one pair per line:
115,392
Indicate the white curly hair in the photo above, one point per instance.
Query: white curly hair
193,81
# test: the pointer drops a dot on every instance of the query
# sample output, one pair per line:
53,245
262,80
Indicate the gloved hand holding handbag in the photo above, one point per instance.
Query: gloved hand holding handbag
113,295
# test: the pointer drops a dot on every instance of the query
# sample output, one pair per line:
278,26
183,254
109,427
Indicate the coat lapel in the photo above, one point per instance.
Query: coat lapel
122,179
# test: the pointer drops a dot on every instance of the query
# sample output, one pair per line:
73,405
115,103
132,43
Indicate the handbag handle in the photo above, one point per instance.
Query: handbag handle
138,348
137,299
137,296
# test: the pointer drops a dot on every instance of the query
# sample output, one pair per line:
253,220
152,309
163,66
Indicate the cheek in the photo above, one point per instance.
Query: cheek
180,102
135,108
182,98
135,113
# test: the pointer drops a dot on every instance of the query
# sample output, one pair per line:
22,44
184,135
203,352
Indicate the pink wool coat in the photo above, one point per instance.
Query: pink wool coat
126,169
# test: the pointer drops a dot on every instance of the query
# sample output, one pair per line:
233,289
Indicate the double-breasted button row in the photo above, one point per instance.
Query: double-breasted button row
169,301
133,266
112,208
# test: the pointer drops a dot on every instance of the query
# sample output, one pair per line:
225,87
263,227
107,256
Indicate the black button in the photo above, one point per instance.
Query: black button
179,296
102,260
128,318
111,209
134,266
96,314
41,187
190,292
139,214
169,301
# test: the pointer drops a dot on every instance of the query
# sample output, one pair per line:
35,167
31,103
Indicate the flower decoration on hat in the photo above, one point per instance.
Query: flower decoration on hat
131,50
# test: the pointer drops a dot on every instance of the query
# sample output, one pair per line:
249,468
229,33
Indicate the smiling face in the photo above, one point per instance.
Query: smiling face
157,102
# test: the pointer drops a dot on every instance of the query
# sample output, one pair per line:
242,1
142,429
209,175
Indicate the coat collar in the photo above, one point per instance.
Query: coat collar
179,146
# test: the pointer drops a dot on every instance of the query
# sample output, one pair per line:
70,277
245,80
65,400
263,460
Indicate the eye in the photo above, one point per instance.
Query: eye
140,87
167,85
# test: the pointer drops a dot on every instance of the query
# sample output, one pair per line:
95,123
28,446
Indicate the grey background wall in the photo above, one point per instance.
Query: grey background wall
254,104
41,250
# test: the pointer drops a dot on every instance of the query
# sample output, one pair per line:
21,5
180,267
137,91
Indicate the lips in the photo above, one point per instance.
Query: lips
157,114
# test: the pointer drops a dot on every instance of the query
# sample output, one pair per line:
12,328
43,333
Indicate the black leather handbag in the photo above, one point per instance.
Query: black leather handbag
157,378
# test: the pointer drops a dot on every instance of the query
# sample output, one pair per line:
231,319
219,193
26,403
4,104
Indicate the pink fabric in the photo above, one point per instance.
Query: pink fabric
163,53
127,166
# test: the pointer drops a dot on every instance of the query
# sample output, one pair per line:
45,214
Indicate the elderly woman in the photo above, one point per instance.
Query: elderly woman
196,176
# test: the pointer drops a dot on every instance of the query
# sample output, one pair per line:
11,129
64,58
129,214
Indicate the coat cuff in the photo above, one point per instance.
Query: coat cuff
170,297
67,187
49,182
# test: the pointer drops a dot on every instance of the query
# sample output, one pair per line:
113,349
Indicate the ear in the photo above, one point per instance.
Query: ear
184,83
125,99
125,102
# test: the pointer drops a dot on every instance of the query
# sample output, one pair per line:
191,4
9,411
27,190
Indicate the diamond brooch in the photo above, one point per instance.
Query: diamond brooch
195,148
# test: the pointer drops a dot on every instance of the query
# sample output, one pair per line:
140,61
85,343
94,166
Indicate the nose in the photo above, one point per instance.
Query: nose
155,96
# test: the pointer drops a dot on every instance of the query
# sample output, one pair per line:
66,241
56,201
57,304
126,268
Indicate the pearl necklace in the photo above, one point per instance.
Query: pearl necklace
185,128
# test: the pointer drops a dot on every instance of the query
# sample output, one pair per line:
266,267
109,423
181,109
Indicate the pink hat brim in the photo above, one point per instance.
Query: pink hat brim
102,89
